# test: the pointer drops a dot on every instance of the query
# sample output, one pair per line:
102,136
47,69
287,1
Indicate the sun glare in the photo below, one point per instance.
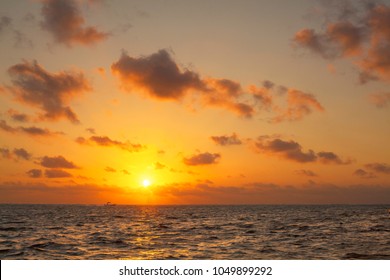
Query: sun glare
146,183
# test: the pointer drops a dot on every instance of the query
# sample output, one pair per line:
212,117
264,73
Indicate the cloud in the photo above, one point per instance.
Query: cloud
226,140
57,162
379,167
159,166
19,117
16,153
299,105
57,173
380,100
307,173
159,76
287,149
31,130
50,92
22,153
4,23
202,159
105,141
266,193
292,150
34,173
364,174
63,19
5,127
91,130
5,153
363,34
109,169
331,158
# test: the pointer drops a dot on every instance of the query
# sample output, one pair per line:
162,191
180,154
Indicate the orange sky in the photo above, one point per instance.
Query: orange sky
212,102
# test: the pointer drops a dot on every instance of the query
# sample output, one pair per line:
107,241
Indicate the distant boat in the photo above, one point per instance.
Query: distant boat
109,204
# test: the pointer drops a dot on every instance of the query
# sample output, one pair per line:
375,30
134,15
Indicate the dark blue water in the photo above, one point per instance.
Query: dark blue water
194,232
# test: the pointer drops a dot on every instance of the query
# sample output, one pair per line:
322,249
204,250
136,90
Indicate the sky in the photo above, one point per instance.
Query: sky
194,102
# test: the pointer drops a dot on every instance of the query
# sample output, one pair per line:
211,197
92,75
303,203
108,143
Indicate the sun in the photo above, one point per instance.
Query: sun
146,183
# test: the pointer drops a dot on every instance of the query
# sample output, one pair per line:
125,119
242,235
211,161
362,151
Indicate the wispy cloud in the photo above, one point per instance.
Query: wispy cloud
105,141
30,130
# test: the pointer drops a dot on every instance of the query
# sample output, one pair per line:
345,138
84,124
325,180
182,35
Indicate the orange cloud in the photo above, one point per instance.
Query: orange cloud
202,159
105,141
63,19
51,93
299,105
366,38
380,100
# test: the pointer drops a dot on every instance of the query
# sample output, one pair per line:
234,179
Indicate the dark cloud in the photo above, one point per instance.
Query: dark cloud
379,167
202,159
105,141
4,23
364,174
307,173
380,100
49,92
292,150
287,149
57,173
159,76
5,127
22,153
63,19
363,34
16,154
34,173
109,169
57,162
19,117
32,130
331,158
226,140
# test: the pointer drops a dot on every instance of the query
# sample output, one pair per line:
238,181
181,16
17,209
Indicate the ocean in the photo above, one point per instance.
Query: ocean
304,232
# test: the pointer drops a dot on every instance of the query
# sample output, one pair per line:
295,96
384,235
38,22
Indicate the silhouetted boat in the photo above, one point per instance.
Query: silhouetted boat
109,204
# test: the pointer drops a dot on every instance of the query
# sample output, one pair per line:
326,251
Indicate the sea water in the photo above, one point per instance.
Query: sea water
195,232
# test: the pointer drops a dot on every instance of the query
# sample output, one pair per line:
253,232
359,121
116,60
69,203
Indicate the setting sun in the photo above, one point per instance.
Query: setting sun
146,183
